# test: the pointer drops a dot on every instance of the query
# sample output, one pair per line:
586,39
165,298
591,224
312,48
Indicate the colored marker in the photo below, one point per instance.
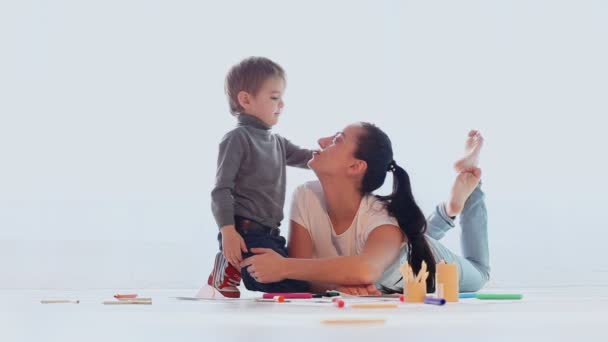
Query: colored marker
135,299
59,301
326,294
434,301
130,295
467,295
279,299
499,296
339,303
128,302
294,295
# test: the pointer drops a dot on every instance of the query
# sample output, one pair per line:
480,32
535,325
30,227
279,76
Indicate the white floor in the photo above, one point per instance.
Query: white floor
573,313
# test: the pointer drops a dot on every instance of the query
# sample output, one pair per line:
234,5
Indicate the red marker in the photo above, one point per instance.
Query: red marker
294,295
339,303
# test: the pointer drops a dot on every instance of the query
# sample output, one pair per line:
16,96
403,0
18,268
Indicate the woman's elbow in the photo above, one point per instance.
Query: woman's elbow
368,273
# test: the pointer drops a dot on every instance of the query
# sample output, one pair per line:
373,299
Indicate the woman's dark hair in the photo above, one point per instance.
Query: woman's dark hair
374,147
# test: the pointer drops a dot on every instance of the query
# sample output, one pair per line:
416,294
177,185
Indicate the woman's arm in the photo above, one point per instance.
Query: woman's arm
300,246
380,250
300,243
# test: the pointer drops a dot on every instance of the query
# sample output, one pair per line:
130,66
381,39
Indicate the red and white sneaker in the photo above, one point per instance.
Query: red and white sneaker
225,278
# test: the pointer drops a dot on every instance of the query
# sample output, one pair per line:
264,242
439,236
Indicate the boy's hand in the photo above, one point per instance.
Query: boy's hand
232,245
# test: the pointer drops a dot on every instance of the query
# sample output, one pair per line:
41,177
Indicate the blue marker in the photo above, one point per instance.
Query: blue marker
434,301
467,295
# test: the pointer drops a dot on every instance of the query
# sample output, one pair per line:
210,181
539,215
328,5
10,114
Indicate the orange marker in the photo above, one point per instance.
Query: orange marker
130,295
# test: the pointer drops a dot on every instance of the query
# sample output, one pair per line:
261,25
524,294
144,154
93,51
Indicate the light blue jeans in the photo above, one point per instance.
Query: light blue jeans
473,264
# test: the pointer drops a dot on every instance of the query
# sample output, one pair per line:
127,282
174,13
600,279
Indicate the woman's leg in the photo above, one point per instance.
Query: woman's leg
439,222
474,264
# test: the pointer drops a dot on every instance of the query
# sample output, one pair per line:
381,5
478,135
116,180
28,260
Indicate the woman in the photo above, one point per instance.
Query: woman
342,236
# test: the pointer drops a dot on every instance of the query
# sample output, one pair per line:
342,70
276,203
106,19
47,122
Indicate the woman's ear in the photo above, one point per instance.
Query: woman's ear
244,99
358,167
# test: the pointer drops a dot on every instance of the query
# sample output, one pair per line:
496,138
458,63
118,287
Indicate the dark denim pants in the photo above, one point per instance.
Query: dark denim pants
259,236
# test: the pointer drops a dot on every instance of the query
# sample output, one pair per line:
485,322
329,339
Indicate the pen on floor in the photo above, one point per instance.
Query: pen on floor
59,301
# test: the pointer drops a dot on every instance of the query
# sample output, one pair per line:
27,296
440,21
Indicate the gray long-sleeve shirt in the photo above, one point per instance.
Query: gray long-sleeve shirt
251,173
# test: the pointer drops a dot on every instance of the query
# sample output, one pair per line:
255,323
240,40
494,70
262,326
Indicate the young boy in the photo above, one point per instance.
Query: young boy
249,192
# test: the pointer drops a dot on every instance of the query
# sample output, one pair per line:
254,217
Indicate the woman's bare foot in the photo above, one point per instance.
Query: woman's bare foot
465,183
472,148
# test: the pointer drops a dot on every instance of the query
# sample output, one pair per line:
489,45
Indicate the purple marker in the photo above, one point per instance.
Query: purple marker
434,301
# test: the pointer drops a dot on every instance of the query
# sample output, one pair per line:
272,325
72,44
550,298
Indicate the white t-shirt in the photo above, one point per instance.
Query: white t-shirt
308,208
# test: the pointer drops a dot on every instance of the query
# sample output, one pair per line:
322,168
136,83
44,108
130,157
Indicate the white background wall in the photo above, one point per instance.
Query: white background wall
111,112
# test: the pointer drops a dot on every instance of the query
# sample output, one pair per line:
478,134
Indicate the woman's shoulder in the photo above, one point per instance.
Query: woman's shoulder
311,190
375,209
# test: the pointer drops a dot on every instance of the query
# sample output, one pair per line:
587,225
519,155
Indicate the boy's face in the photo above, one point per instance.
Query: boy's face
268,103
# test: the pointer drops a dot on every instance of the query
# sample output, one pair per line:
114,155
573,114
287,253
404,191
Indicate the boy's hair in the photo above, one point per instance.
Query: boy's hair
249,75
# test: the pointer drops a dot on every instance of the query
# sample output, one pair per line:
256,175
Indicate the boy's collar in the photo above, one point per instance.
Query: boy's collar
250,120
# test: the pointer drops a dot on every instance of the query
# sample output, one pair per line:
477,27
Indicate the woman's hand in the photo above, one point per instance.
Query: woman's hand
266,266
360,290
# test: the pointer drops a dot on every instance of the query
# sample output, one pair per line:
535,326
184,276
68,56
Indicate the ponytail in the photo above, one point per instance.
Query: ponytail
401,204
374,147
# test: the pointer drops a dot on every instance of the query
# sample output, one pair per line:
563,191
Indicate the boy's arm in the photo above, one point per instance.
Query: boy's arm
296,156
229,158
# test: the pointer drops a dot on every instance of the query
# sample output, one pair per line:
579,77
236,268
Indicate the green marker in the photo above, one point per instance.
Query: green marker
499,296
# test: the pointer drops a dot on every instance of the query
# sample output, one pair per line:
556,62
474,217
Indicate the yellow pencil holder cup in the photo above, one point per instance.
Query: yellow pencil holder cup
446,277
415,292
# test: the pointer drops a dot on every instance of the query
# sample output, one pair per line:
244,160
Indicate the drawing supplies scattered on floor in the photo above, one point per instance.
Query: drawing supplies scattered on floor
339,303
326,294
499,296
127,302
59,301
434,301
467,295
294,295
123,296
277,299
125,299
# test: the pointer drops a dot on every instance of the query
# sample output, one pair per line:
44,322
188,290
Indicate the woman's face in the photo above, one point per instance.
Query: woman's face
336,156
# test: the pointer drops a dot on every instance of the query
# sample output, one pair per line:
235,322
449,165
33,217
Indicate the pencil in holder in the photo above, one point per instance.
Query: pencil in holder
415,292
446,279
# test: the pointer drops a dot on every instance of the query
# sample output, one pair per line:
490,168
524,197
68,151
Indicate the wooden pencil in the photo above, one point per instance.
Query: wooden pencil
127,302
59,301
